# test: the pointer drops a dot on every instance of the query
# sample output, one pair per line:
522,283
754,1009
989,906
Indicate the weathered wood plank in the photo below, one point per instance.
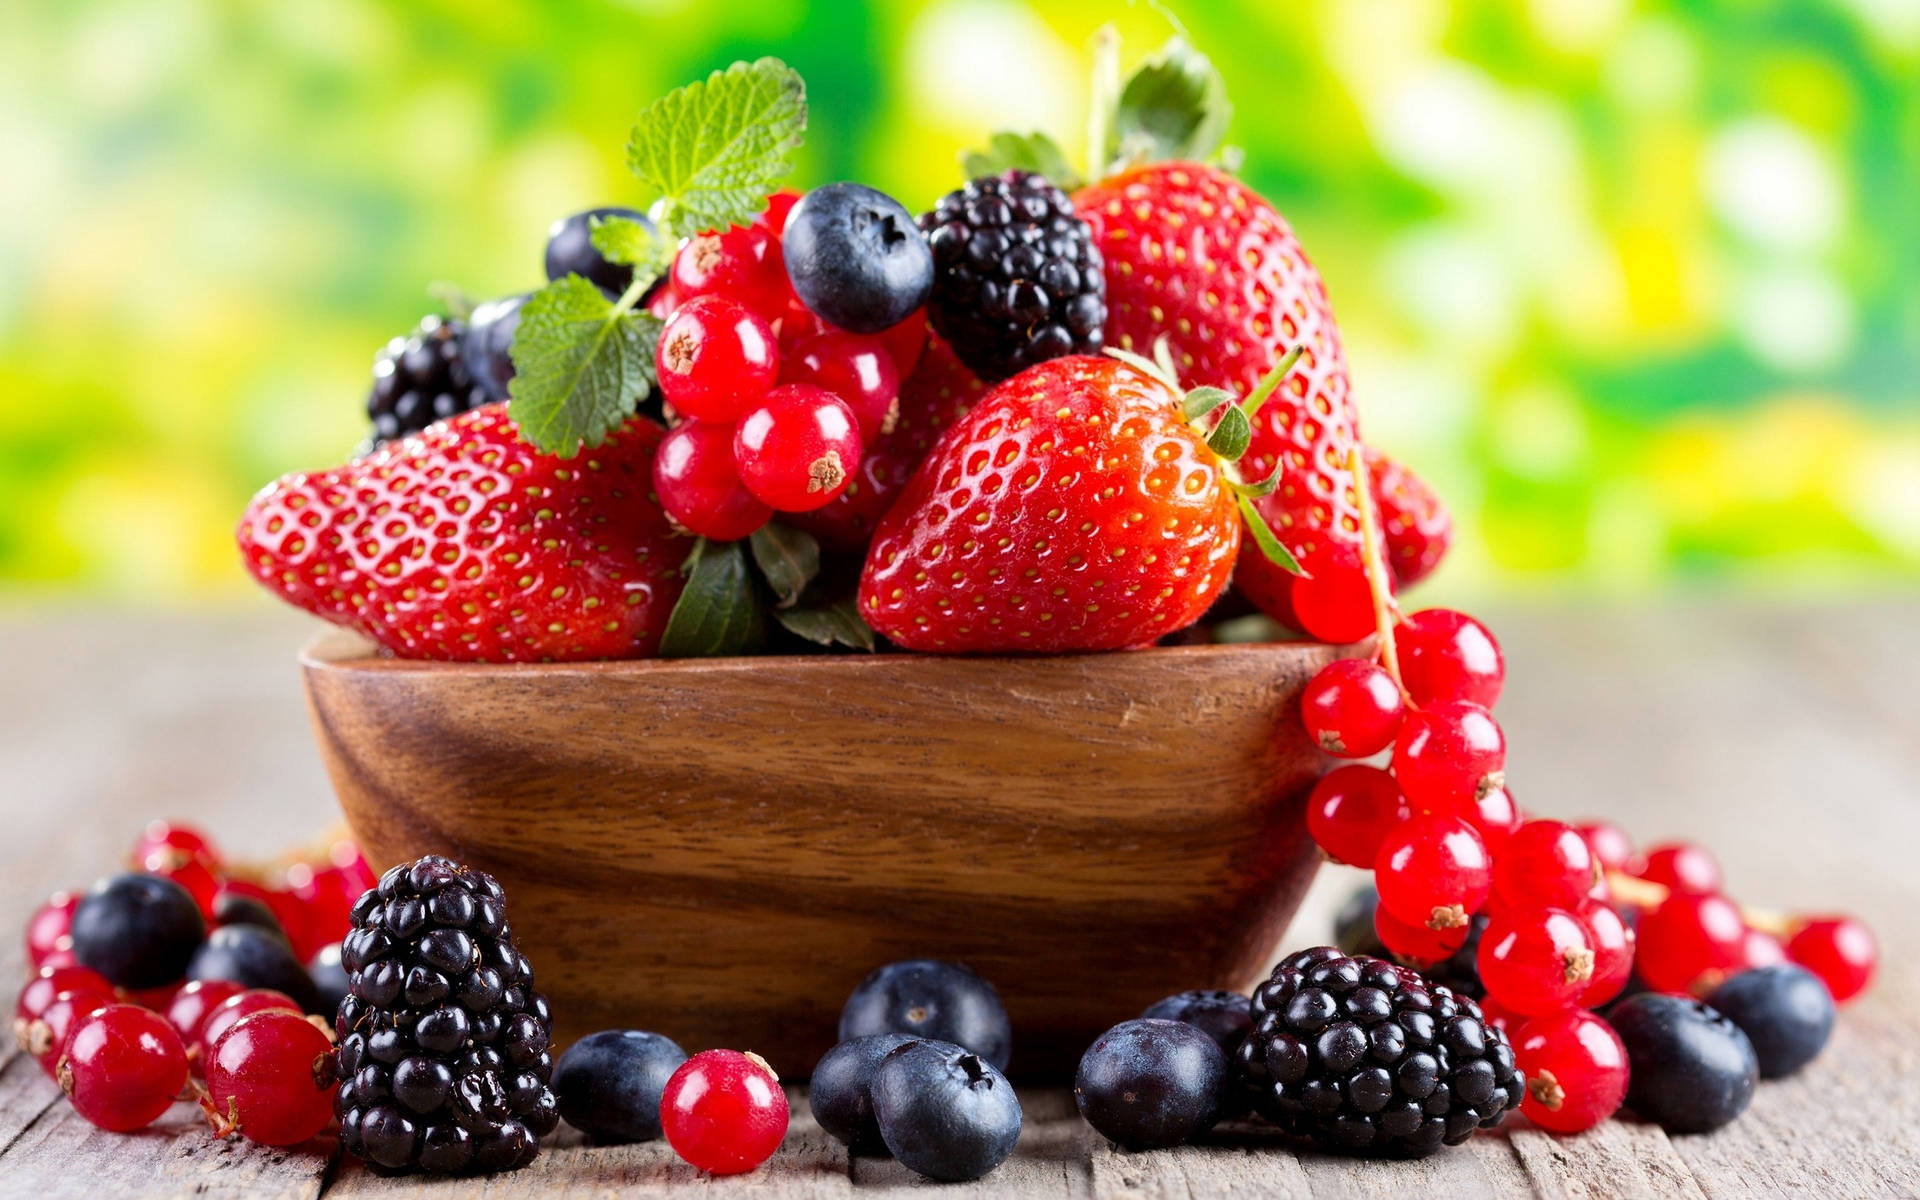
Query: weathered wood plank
1238,1160
1620,1160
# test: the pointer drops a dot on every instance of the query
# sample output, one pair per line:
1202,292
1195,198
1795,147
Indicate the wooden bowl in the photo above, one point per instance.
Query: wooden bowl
721,849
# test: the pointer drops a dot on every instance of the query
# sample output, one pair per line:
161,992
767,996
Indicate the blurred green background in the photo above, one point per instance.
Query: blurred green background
1636,285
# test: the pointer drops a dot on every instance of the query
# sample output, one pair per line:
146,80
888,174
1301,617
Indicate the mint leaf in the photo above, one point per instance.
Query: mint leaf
1173,106
1034,152
712,150
833,624
788,557
582,364
626,241
719,612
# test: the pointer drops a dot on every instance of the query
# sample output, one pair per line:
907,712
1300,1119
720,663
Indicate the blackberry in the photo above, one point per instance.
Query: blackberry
444,1045
1353,932
1017,279
421,378
1367,1058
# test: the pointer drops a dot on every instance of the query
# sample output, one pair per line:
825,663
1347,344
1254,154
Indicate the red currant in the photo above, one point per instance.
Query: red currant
1350,811
774,218
234,1009
698,487
1496,816
1352,708
1840,950
123,1067
326,895
664,301
1761,949
1331,598
1611,845
48,1033
188,869
715,359
1449,755
1612,940
856,369
743,263
166,835
1535,961
1576,1069
1433,870
1498,1015
1683,867
1546,862
46,984
271,1078
191,1005
1684,937
724,1112
797,449
295,921
905,342
1418,944
47,927
1447,655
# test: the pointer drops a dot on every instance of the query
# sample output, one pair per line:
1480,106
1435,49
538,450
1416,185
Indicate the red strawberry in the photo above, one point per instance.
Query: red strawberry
1196,256
464,543
1414,524
932,398
1072,509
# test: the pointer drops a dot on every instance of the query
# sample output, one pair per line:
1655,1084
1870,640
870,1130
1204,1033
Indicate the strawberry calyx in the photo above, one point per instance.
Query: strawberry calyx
1228,434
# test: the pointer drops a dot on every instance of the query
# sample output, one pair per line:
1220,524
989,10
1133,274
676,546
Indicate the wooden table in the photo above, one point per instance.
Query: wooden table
1786,738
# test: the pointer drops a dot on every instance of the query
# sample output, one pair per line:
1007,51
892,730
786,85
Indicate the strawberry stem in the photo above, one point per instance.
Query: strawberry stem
1271,382
1103,102
1375,563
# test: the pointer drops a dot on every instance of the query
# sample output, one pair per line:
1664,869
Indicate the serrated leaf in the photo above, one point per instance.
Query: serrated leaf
1263,537
713,150
788,557
1034,152
626,241
833,624
582,363
719,612
1173,106
1203,400
1230,437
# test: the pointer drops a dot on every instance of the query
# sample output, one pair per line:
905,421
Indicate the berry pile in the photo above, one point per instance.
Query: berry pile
186,974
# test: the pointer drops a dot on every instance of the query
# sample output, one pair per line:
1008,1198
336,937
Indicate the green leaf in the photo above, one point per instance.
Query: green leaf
1145,366
838,623
719,612
1173,106
712,150
789,558
1230,437
1034,152
626,241
1263,537
582,363
1203,400
1266,487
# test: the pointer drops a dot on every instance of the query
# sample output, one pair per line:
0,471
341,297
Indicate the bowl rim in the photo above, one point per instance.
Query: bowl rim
345,650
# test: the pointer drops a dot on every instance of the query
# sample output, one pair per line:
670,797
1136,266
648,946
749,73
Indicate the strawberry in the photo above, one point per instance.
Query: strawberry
464,543
1414,523
1197,257
932,398
1073,508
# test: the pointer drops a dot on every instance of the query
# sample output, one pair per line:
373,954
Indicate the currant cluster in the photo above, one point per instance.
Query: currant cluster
779,362
186,975
1564,916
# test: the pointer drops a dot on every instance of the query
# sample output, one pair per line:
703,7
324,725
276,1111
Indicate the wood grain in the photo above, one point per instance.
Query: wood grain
722,849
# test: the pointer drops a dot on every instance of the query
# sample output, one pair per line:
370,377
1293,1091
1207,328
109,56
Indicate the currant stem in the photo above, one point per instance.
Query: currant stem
1370,557
1644,893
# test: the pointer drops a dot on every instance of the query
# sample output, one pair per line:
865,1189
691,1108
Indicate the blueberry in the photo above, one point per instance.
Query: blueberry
570,250
1691,1069
140,931
839,1092
609,1084
1785,1011
329,977
856,257
1223,1016
487,346
944,1111
926,998
234,908
252,956
1151,1083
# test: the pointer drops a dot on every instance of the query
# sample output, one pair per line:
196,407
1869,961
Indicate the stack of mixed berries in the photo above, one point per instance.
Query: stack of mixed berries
192,967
